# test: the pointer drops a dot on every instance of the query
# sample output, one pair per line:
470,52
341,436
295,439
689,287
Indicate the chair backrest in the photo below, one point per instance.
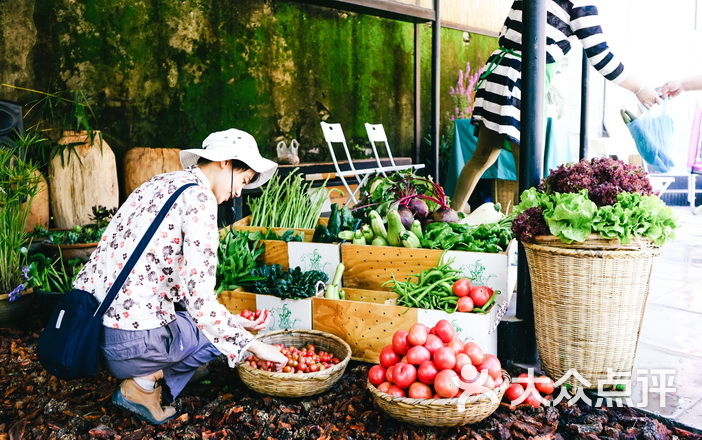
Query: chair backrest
334,134
694,158
376,133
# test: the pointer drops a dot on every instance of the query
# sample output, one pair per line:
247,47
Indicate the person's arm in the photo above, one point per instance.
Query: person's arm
674,88
198,277
585,23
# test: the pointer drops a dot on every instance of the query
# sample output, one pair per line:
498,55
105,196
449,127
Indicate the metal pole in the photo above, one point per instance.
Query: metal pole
531,147
435,89
417,93
584,94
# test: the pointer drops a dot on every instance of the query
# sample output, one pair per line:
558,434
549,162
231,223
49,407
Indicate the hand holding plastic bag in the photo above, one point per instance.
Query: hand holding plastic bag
653,133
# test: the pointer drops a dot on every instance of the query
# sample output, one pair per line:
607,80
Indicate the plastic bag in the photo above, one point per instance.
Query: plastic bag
654,134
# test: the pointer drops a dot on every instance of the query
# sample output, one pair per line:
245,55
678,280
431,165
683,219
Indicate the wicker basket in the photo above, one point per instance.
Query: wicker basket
589,300
293,384
505,193
440,412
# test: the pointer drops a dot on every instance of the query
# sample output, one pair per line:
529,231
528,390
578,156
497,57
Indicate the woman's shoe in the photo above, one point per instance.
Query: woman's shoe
144,404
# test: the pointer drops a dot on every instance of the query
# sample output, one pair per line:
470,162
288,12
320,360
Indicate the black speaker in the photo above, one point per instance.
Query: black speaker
10,121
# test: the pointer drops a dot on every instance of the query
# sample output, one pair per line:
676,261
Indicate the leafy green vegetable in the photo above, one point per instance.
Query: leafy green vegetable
288,236
571,216
236,258
291,283
636,215
54,275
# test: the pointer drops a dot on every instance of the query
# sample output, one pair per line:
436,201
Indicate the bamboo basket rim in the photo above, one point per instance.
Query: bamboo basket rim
303,377
426,403
593,242
25,292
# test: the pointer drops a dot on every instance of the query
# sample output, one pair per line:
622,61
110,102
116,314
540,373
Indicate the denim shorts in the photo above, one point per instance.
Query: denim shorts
178,349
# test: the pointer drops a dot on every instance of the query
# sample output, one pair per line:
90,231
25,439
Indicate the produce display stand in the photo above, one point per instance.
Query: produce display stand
367,319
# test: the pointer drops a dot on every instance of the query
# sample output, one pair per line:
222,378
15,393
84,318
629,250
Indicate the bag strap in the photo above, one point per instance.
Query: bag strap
122,277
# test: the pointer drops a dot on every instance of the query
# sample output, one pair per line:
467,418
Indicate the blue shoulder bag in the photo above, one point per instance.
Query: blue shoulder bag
69,346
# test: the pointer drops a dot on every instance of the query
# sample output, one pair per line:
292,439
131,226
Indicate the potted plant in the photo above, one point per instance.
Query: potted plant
78,241
51,278
82,168
29,146
591,231
18,186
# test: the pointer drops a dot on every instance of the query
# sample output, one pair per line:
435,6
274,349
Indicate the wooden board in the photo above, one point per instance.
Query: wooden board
85,178
276,253
368,267
236,301
39,210
141,164
307,234
366,327
340,198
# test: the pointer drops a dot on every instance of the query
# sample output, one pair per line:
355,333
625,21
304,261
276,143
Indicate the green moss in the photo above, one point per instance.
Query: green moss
167,73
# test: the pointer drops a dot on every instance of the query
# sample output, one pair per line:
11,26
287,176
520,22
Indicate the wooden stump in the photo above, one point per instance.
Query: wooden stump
39,211
142,163
82,177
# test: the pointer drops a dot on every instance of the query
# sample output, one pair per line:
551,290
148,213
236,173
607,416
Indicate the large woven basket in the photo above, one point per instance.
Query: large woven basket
293,384
440,412
589,300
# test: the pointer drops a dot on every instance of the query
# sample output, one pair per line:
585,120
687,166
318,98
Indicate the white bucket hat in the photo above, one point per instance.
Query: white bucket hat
232,144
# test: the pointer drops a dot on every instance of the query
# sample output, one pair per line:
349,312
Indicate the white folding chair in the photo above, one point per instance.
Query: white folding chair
333,134
376,134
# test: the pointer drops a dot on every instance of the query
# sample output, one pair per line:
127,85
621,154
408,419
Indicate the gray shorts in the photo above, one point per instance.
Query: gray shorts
178,349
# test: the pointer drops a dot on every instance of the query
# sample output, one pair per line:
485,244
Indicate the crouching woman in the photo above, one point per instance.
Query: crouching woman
146,341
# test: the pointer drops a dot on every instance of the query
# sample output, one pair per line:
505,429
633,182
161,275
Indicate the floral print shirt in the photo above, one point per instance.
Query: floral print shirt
178,265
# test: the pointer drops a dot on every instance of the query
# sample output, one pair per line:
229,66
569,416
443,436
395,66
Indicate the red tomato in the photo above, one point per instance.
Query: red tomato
399,342
404,359
461,287
419,390
473,351
462,360
395,391
492,364
544,385
446,383
388,357
469,373
384,387
445,331
389,374
444,358
533,400
417,355
376,374
524,379
514,392
404,375
480,295
417,334
456,345
433,343
465,304
427,372
246,313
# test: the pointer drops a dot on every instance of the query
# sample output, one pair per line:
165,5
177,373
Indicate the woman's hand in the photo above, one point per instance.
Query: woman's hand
258,324
671,89
648,97
270,353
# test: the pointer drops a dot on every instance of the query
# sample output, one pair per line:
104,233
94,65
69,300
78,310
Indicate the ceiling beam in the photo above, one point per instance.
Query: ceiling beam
381,8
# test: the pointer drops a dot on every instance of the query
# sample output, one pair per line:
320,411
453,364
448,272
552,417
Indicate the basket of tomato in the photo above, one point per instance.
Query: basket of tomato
429,377
316,361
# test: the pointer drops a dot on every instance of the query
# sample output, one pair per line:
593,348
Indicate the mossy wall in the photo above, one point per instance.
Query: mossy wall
167,73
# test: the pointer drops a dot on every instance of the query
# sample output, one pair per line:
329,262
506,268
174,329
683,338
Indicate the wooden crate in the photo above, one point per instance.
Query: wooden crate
368,267
236,300
307,234
363,320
